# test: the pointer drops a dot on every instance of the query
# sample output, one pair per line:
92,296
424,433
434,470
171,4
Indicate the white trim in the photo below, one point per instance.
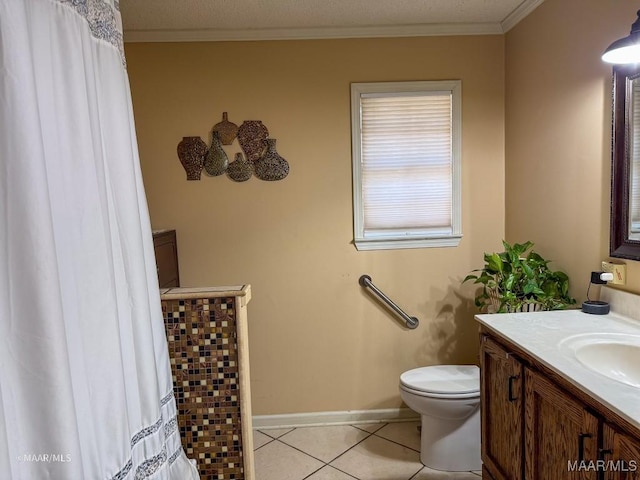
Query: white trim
348,417
356,166
393,241
426,30
398,244
419,30
456,163
524,9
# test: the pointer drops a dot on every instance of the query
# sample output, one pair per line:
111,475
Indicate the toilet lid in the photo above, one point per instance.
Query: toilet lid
443,379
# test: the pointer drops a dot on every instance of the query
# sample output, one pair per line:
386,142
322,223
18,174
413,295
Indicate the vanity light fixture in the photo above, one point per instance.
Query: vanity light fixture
627,49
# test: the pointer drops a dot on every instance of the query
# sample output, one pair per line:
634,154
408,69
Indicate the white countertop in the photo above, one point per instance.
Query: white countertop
540,334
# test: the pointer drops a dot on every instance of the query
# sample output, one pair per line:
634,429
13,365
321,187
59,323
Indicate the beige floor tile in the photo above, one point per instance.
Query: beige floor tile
478,473
404,433
277,461
330,473
260,439
378,459
275,432
429,474
324,443
370,427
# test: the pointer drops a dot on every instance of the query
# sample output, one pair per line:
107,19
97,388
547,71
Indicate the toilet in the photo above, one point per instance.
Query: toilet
447,397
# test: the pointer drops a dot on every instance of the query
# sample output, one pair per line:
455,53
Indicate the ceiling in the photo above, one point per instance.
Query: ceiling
220,20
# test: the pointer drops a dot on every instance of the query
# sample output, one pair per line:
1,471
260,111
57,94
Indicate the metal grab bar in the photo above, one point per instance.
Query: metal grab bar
411,322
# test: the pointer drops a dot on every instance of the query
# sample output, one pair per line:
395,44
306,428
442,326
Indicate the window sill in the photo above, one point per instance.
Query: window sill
397,244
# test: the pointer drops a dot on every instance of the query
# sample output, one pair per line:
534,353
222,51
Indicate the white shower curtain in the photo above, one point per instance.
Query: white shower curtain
85,380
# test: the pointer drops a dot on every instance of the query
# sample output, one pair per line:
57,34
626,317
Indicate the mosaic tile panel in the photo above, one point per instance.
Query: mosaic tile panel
203,351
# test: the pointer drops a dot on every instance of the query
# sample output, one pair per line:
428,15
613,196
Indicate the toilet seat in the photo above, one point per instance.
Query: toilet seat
443,381
443,396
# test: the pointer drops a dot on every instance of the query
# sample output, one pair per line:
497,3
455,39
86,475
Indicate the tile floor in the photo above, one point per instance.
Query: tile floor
380,451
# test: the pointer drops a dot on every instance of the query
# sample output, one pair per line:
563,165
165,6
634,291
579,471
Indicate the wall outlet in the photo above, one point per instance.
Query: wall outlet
619,274
607,267
619,271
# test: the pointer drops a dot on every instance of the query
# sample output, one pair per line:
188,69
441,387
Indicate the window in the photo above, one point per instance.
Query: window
406,164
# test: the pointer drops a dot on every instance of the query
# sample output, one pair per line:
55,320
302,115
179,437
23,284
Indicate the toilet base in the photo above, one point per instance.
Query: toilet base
451,445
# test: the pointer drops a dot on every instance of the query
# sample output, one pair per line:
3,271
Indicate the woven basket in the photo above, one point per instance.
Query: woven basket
494,296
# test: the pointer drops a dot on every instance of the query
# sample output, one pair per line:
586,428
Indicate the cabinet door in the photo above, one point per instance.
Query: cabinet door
561,436
621,455
166,251
501,381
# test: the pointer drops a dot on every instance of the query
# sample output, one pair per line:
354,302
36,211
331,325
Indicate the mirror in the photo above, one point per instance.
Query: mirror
625,173
634,165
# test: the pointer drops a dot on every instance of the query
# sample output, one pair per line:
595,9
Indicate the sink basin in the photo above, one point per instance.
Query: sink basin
613,355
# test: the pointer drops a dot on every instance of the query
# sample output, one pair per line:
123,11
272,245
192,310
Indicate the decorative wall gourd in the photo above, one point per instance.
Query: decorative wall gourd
260,156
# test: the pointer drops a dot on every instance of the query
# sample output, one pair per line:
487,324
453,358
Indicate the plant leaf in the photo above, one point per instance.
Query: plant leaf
494,261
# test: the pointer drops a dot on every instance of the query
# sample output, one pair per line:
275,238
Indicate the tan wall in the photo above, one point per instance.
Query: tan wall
317,341
558,133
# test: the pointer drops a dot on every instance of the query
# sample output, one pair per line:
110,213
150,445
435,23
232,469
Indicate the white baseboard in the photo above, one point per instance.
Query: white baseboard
349,417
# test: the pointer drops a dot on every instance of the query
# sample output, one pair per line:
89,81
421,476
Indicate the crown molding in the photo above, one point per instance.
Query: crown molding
139,36
316,33
524,9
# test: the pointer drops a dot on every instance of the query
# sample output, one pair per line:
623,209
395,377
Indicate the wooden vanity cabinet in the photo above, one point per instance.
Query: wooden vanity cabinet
621,454
501,378
537,426
166,250
561,436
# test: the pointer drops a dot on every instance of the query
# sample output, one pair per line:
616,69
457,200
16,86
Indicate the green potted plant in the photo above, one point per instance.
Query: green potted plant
513,282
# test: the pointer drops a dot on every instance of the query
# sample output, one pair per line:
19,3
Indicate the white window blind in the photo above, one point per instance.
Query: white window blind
406,164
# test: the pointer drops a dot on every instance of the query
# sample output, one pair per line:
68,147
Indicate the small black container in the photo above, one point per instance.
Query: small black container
595,307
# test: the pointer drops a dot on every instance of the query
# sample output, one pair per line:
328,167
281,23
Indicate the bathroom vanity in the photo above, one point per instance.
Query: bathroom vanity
560,395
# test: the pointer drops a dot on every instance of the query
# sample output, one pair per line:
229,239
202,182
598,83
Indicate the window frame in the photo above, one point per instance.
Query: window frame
400,239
